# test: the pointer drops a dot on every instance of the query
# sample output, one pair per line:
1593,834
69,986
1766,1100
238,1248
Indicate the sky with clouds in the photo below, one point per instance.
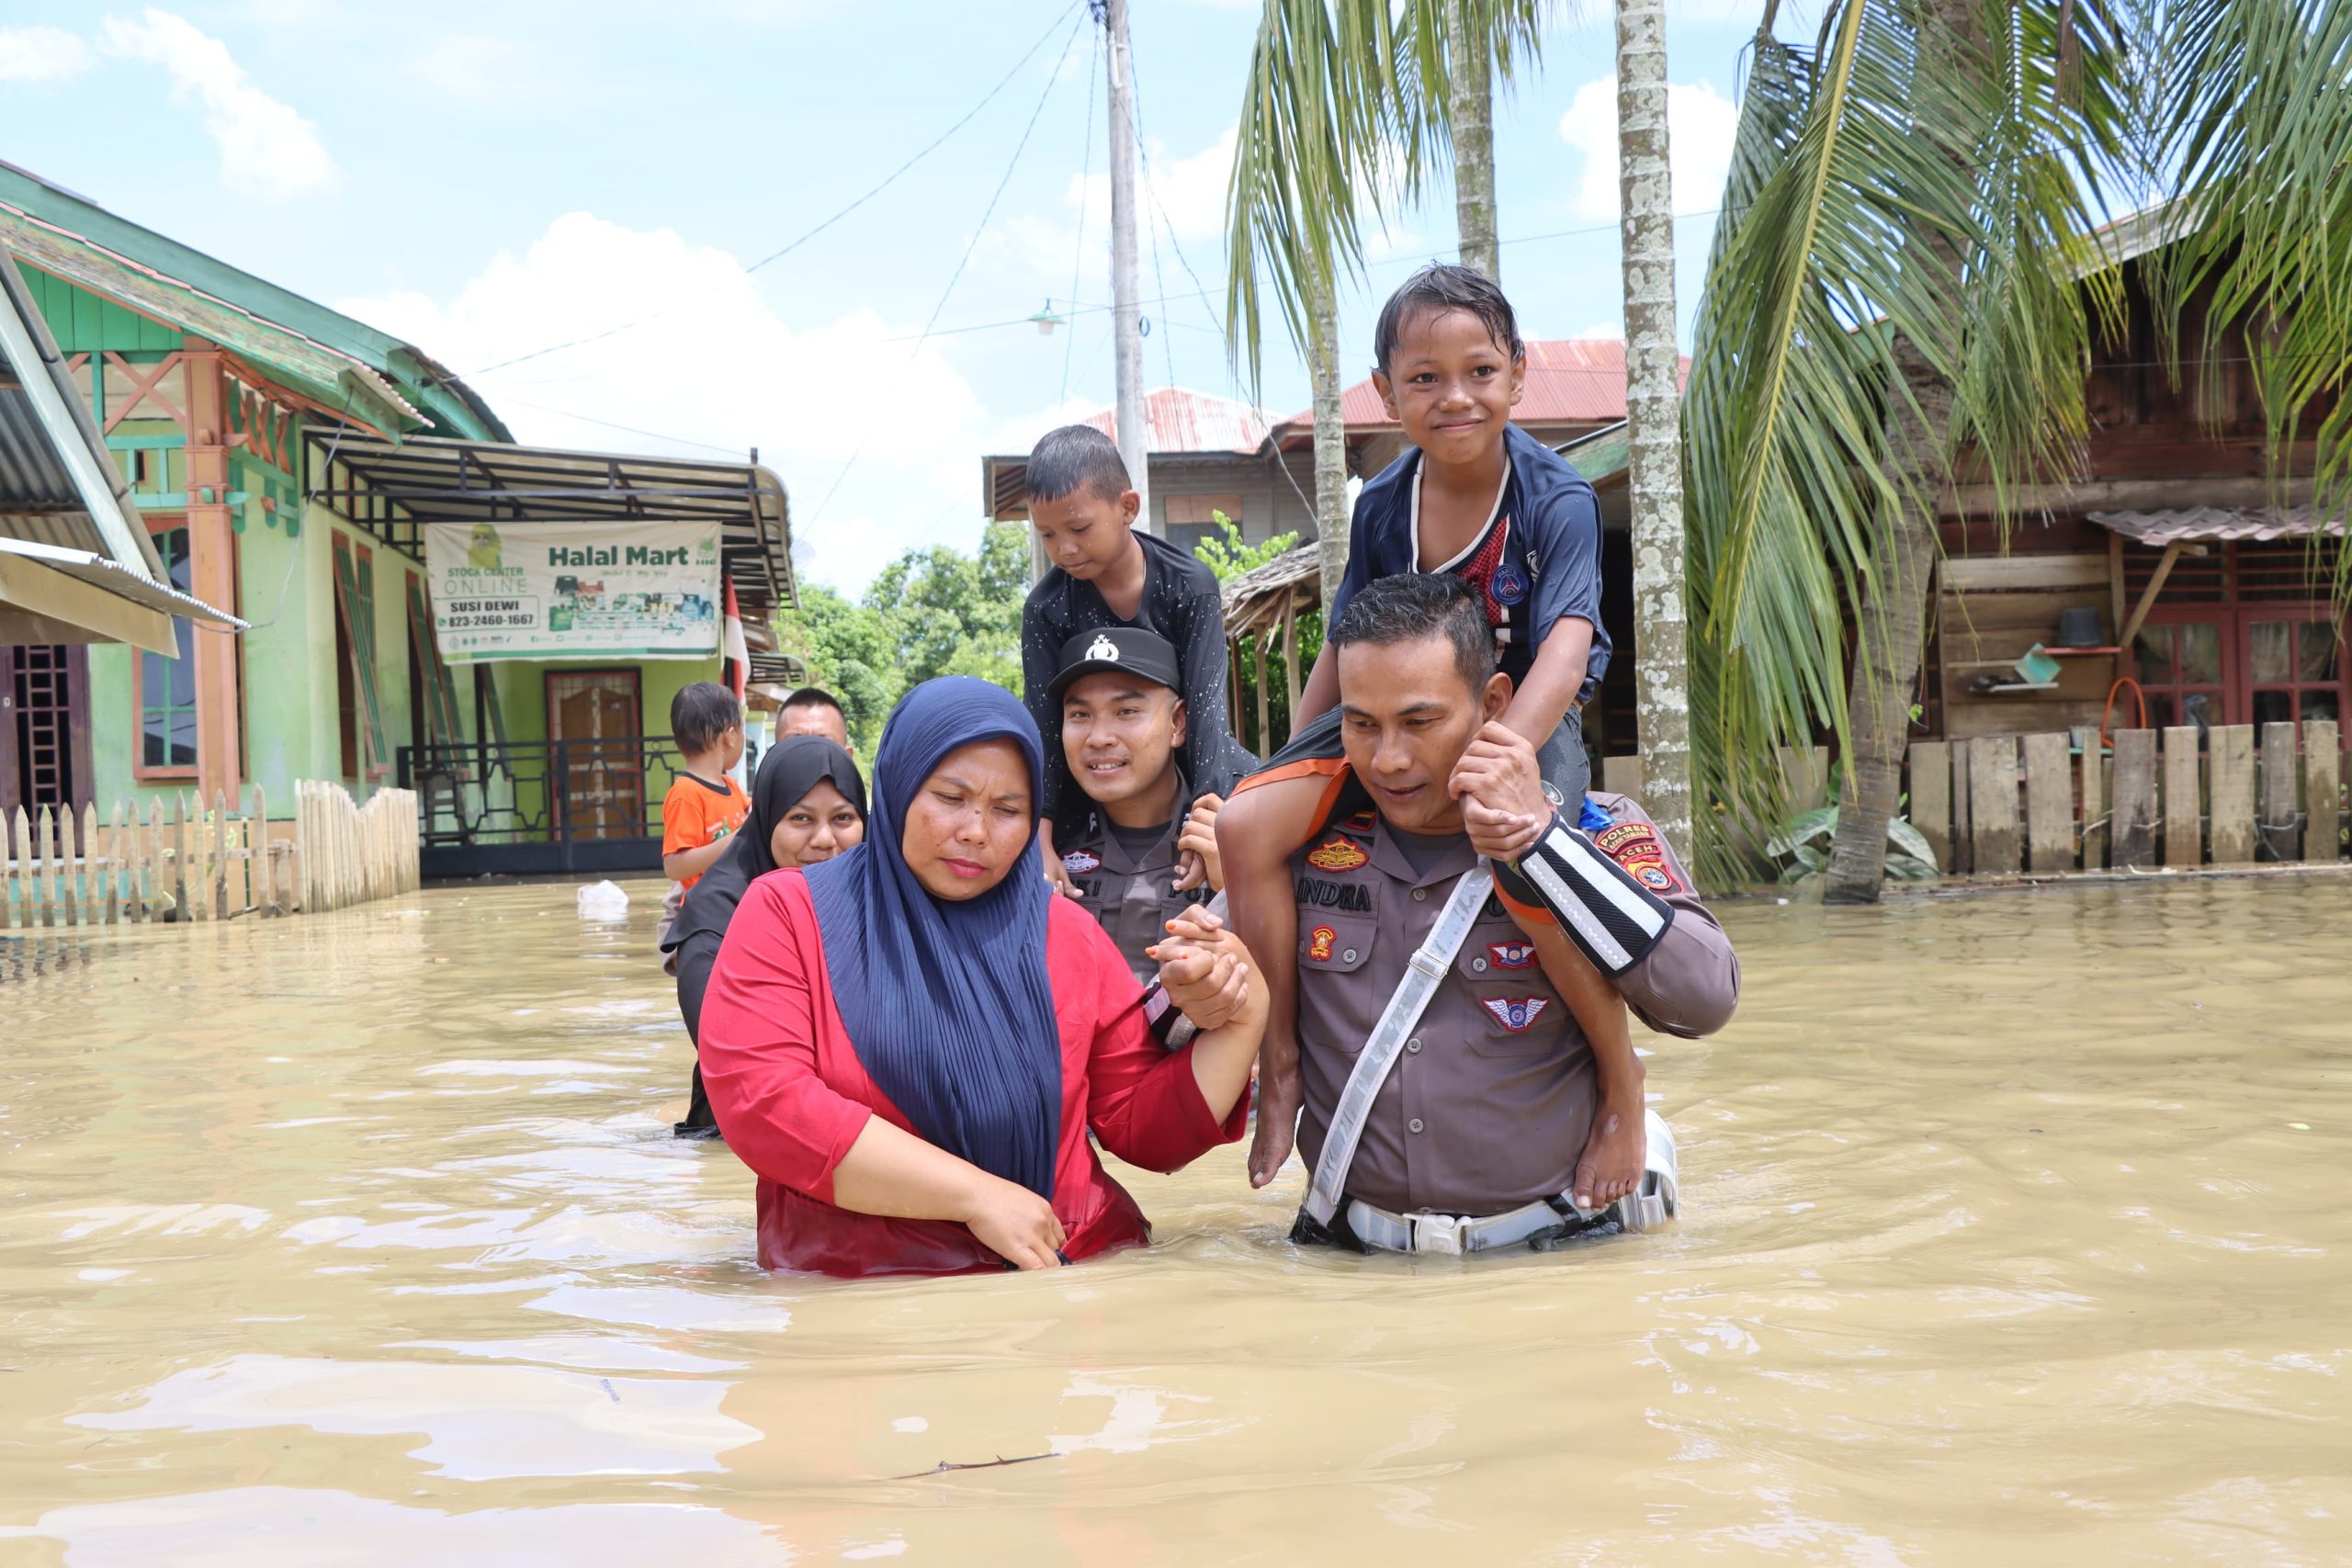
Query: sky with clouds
491,182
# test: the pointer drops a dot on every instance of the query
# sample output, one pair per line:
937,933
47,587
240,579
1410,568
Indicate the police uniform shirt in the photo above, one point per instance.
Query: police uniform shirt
1491,1101
1130,893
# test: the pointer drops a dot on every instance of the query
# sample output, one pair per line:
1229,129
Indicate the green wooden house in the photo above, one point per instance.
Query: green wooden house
291,464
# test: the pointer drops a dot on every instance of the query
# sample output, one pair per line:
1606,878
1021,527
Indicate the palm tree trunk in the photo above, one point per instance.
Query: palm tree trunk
1330,440
1653,395
1470,108
1887,649
1891,634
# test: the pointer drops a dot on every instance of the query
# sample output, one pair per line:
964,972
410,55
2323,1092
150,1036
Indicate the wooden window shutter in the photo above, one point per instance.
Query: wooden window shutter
440,694
354,601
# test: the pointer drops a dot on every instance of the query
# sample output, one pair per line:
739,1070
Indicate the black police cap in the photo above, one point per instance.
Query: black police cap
1128,650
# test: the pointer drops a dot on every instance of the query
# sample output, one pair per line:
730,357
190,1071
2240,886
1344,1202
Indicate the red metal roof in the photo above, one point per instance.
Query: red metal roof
1185,421
1574,380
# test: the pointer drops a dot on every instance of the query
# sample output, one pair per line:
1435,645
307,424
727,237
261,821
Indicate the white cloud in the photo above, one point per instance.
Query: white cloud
41,54
267,149
1189,191
480,70
721,366
1700,123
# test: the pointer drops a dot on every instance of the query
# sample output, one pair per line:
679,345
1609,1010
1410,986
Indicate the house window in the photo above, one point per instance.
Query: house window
2183,672
166,687
2295,666
1192,518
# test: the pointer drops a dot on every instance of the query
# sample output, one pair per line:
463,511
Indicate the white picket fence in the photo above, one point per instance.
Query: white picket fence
191,864
353,854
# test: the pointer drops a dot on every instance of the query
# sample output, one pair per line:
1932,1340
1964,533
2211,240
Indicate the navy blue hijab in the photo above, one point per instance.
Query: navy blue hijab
946,1003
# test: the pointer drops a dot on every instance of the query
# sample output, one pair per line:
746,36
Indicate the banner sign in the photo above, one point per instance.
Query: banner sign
573,590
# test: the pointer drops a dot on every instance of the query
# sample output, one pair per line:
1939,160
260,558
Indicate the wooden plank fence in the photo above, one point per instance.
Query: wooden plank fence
195,865
201,864
2180,798
352,853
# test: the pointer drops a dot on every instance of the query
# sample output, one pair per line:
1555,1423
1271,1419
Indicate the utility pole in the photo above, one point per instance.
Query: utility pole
1126,310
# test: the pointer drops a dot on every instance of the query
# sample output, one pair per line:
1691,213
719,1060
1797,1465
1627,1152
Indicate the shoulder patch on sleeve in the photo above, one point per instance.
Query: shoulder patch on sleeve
1636,847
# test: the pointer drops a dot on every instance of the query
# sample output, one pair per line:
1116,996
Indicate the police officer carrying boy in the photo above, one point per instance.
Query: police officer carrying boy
1451,1102
1143,851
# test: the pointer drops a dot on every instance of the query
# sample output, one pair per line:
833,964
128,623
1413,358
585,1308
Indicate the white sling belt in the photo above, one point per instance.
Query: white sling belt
1650,1206
1427,967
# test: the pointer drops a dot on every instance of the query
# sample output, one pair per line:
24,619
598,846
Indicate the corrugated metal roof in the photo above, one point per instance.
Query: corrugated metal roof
32,478
87,566
59,485
337,360
1184,421
2205,523
1578,380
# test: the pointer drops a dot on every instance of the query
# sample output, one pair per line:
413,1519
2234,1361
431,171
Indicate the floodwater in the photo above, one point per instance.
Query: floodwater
2016,1233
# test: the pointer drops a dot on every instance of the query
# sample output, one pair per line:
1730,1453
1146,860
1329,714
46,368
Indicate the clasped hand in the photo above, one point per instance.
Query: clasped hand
1501,785
1205,969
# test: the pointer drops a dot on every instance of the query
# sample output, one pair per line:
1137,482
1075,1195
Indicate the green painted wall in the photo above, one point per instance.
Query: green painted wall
286,589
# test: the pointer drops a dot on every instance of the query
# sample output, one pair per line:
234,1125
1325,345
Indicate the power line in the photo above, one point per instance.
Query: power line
633,430
885,183
988,212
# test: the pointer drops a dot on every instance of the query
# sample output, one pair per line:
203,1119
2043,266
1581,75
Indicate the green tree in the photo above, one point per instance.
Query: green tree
1905,277
849,652
931,612
1228,557
1354,102
1343,101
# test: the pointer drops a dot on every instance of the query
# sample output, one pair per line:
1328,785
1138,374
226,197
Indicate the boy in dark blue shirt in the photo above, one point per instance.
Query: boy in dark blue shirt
1474,496
1105,573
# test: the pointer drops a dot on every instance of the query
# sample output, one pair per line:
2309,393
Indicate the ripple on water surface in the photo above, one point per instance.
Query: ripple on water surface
2015,1235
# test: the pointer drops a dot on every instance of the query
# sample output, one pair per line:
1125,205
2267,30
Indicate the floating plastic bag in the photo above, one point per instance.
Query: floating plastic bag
602,901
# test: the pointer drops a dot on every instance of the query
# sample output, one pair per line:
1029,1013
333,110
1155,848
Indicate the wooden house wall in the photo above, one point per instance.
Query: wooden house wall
2153,442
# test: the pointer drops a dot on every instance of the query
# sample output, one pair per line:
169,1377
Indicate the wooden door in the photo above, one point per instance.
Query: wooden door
601,780
44,728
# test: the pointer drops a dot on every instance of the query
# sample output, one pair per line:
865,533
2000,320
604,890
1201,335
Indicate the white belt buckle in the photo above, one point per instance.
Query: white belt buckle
1438,1232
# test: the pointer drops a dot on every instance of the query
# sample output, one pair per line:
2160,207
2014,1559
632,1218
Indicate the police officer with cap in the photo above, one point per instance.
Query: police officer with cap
1146,849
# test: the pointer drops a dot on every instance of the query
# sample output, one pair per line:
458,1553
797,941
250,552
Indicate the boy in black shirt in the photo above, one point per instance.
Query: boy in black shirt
1105,573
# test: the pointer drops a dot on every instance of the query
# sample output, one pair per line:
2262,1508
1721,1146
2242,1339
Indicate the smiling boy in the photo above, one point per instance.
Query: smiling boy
1106,574
1476,498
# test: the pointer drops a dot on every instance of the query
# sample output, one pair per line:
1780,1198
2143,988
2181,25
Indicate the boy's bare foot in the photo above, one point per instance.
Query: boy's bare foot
1278,1101
1612,1164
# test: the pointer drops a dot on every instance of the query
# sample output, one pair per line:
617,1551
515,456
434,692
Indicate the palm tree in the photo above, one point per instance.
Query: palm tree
1905,276
1345,96
1470,118
1895,273
1350,104
1653,394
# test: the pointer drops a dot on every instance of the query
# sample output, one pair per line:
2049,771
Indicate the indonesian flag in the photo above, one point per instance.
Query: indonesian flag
734,653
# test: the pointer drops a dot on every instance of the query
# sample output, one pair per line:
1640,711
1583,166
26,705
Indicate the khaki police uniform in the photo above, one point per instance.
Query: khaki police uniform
1133,896
1492,1102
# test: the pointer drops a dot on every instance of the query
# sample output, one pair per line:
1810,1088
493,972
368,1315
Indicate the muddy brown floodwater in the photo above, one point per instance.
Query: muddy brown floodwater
2016,1233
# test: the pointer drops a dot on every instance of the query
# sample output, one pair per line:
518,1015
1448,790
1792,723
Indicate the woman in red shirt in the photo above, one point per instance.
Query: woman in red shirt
908,1043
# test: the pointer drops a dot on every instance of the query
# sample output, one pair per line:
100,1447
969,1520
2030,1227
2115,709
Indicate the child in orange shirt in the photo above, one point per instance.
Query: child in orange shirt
703,807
